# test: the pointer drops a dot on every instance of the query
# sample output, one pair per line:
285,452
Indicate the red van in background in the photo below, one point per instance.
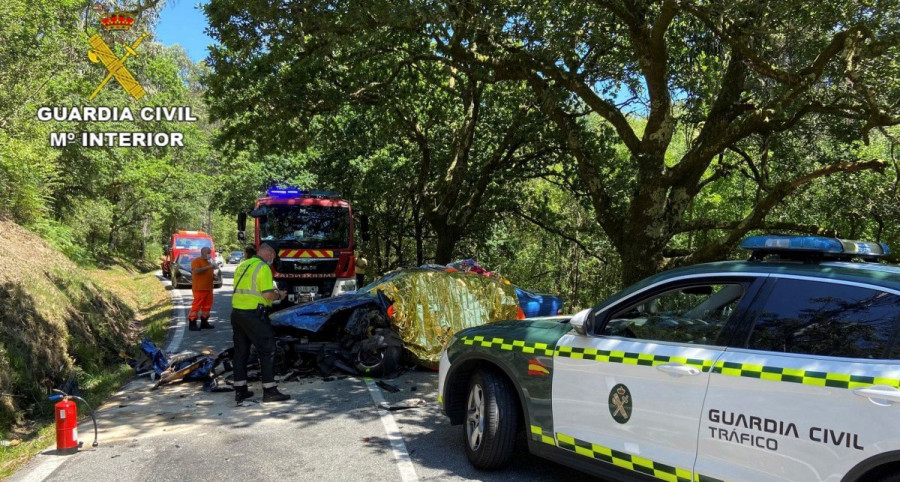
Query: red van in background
184,241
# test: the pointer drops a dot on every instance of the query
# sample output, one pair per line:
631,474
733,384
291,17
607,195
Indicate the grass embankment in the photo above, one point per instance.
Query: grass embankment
61,323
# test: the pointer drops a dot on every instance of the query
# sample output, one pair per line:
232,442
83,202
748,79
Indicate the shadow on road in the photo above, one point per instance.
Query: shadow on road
330,430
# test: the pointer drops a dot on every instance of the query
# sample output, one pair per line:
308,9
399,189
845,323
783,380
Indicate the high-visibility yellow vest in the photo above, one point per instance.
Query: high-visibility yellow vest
252,278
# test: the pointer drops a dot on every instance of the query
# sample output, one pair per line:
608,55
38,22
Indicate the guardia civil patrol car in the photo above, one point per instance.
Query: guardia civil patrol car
783,367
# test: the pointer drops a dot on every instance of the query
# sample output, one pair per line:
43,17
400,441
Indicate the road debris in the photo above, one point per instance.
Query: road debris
403,405
166,369
387,386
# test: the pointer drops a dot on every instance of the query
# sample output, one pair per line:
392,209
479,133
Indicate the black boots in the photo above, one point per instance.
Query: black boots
272,394
241,394
204,324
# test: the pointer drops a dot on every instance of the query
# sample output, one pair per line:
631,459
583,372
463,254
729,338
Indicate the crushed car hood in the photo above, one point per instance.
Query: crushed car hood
429,307
312,316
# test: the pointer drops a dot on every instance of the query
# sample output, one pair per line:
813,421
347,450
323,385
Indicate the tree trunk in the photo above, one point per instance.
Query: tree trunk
447,237
113,229
375,252
638,262
145,233
399,248
420,245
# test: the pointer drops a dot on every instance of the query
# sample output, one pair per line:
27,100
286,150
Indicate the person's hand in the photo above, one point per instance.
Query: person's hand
282,294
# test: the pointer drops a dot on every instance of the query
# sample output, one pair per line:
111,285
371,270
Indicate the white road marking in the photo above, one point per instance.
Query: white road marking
401,455
44,468
178,316
47,466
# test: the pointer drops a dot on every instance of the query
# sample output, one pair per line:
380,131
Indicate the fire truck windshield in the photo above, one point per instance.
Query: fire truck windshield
308,227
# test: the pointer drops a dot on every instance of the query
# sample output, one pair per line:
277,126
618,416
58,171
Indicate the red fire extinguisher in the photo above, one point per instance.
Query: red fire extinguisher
66,413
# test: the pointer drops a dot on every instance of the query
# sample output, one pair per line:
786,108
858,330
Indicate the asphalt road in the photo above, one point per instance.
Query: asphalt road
330,430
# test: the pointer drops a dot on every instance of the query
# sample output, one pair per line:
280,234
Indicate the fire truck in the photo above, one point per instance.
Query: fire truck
312,234
183,241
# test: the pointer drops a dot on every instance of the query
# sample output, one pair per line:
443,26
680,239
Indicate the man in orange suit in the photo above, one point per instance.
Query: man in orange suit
202,278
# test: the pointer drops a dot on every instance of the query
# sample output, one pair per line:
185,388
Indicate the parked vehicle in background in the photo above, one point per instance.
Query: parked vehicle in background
783,367
312,234
181,271
235,257
184,241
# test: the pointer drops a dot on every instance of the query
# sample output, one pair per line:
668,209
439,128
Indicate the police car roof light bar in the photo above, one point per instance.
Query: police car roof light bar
813,247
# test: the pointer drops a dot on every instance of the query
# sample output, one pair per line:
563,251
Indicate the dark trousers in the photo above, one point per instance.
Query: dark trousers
251,327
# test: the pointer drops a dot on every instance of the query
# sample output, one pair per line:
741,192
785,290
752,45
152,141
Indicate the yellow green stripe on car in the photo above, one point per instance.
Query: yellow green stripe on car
629,358
798,375
771,373
620,459
509,345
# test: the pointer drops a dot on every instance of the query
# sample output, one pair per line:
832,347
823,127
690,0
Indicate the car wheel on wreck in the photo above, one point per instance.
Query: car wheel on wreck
378,350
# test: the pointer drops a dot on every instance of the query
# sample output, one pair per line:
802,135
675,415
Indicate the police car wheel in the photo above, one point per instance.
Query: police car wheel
491,424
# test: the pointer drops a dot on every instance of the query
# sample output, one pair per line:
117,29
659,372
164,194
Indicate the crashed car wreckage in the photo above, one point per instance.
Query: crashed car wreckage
414,311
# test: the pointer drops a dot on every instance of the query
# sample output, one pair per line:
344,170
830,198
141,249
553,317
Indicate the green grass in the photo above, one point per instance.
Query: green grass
97,387
135,293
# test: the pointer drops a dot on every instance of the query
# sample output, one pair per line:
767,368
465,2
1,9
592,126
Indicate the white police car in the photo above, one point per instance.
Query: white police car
783,367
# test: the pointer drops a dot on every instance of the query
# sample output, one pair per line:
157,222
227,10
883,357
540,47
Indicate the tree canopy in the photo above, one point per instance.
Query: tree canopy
571,146
656,104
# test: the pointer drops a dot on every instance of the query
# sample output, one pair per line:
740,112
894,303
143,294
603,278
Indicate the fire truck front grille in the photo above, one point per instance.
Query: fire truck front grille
306,266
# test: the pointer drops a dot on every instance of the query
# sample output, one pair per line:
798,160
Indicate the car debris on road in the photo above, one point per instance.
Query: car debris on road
413,311
184,366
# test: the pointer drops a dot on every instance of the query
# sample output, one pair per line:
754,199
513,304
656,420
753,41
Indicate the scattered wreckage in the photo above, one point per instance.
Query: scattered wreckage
187,365
407,315
411,311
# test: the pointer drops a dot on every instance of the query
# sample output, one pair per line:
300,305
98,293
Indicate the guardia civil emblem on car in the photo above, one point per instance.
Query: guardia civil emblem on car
620,403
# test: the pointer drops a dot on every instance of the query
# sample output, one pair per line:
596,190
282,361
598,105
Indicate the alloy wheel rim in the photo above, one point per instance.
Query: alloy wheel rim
475,417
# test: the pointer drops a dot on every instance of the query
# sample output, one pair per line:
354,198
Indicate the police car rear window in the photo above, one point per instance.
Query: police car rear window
828,319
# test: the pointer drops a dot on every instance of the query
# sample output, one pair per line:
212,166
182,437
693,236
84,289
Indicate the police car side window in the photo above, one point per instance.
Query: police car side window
693,314
827,319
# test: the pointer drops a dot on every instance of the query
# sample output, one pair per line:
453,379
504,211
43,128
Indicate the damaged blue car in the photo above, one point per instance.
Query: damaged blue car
412,312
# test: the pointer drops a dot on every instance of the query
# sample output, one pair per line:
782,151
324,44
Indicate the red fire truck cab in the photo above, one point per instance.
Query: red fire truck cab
184,241
312,234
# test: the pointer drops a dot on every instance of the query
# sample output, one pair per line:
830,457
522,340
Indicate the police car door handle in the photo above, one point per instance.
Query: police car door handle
879,394
678,370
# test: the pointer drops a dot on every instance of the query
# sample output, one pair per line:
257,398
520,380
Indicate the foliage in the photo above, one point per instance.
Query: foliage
655,103
96,202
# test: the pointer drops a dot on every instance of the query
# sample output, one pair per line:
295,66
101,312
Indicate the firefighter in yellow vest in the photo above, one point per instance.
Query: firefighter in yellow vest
254,292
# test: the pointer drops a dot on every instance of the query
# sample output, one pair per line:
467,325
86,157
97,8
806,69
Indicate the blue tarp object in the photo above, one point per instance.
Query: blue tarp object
534,304
157,356
161,362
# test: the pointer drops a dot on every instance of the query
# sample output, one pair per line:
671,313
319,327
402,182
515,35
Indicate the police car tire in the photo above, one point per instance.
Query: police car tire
892,476
501,419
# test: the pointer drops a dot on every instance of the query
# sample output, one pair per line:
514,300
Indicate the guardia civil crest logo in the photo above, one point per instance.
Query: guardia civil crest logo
620,403
101,52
